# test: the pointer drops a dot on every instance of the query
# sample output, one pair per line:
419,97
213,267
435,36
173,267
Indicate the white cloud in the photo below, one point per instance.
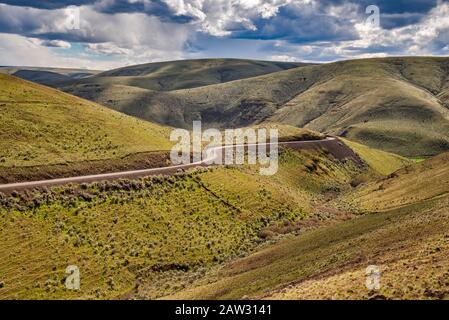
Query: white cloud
134,37
219,17
417,38
16,50
422,38
110,40
107,48
128,30
53,43
285,58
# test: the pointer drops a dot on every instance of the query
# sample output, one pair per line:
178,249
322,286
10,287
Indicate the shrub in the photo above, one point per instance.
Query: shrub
358,180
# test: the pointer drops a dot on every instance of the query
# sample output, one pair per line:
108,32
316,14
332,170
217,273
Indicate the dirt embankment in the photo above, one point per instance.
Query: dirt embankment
332,146
144,160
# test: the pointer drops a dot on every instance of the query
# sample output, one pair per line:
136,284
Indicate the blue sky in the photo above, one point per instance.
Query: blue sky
115,33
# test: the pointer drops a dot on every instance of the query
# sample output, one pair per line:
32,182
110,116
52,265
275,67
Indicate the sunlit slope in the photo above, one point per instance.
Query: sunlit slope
392,104
407,240
412,184
40,125
232,104
173,75
381,162
151,237
47,76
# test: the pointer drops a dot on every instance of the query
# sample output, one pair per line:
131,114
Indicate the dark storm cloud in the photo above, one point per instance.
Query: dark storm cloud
399,13
394,13
299,26
50,4
156,8
315,30
390,6
287,24
396,20
37,23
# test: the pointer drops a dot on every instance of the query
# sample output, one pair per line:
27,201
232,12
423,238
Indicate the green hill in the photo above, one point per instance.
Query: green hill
40,125
183,74
234,103
403,232
47,76
395,104
151,237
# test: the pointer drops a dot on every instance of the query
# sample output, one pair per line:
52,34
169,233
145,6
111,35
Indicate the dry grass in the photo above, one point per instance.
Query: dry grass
412,184
407,241
152,237
40,126
394,104
410,252
381,162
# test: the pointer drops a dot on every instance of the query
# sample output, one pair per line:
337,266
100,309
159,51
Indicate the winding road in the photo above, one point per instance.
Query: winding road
332,144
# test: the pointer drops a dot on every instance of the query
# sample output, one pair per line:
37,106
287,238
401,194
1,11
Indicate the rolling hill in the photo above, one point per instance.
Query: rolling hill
395,104
44,126
403,232
225,232
156,236
47,76
183,74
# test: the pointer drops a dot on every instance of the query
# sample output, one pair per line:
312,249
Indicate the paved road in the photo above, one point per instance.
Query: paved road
211,153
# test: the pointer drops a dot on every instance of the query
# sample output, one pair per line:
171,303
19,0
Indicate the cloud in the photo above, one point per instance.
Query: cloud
223,17
284,58
302,22
53,43
107,48
16,50
138,31
428,36
135,37
49,4
423,37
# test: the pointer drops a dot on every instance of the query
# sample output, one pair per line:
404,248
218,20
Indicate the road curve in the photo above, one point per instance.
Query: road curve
211,153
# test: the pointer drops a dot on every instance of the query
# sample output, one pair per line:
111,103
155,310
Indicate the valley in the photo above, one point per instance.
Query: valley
362,180
371,101
133,238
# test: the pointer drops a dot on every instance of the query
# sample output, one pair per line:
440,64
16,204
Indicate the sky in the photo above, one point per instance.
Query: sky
106,34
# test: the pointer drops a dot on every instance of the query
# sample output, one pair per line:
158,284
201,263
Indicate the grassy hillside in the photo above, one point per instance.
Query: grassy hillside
381,162
232,104
390,104
152,237
395,104
174,75
412,184
287,132
40,125
47,76
169,236
46,133
407,245
407,241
